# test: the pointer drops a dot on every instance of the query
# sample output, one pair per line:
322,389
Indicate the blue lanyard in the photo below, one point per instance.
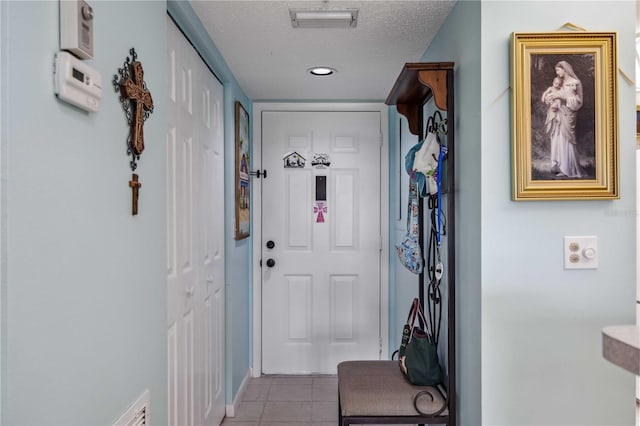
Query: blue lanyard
443,153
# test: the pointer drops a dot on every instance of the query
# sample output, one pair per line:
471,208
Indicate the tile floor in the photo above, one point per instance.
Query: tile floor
288,401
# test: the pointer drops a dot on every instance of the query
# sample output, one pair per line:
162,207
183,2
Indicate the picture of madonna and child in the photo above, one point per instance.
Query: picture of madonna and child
562,100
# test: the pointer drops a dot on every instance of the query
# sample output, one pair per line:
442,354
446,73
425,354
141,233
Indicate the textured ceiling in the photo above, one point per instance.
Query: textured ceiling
269,57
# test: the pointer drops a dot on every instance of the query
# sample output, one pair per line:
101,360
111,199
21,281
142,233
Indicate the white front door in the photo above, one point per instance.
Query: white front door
321,278
195,238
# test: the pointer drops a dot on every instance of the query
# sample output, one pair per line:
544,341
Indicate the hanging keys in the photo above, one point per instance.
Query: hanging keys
439,267
439,270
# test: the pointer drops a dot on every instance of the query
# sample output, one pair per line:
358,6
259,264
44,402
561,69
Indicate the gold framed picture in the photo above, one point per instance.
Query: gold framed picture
564,116
242,173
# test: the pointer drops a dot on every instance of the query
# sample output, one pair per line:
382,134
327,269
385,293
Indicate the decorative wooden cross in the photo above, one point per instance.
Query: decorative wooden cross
134,89
135,186
138,105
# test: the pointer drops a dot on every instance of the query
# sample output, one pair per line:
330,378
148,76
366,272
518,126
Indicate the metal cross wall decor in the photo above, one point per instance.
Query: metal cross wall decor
135,185
137,105
136,101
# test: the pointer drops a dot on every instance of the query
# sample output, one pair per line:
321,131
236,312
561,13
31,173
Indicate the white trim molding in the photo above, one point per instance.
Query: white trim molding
231,409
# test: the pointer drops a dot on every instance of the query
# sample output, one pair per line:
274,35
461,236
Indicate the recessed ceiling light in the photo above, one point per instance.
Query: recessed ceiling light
321,71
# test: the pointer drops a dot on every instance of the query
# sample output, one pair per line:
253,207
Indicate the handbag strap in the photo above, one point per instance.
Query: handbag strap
412,313
412,210
416,311
407,330
406,335
420,314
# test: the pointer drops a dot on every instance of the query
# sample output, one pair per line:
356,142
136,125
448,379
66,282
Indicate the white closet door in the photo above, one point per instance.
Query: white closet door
195,244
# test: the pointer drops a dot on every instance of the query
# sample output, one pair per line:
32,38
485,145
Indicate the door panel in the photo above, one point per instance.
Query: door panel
298,200
344,231
321,299
173,371
344,308
211,247
195,233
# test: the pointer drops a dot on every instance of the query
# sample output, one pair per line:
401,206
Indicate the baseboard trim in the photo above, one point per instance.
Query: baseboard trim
230,409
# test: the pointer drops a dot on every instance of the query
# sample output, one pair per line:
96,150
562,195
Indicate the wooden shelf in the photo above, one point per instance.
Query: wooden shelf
417,83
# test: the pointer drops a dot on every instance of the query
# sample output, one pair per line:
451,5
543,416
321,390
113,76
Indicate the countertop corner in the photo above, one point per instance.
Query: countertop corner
621,346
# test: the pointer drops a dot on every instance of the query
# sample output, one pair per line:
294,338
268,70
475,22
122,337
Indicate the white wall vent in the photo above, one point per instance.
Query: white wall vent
137,414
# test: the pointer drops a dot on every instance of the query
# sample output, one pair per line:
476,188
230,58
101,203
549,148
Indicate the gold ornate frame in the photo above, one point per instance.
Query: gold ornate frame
537,122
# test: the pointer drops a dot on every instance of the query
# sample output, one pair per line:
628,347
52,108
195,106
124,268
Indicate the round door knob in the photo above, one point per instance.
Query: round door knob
270,244
271,263
190,291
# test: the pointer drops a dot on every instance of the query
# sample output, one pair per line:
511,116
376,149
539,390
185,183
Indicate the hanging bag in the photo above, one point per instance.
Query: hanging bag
408,250
426,163
418,353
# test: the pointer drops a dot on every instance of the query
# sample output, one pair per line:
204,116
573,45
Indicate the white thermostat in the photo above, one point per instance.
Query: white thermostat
76,82
76,28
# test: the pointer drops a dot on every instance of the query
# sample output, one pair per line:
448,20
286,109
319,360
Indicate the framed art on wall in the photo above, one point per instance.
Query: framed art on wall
637,126
242,173
564,116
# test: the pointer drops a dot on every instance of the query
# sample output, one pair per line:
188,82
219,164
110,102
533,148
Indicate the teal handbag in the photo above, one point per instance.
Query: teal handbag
418,353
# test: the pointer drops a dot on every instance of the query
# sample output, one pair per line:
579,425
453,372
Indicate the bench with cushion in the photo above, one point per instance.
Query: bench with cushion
376,392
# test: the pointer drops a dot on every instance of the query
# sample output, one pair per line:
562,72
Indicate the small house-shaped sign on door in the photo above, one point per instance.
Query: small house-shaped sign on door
320,161
294,160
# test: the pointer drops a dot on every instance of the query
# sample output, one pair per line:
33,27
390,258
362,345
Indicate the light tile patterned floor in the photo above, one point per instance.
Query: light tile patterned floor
288,401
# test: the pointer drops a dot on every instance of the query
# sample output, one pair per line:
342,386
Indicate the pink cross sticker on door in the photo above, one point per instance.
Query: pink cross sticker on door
320,209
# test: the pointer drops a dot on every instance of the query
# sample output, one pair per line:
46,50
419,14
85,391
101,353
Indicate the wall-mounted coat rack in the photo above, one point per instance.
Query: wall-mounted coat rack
416,85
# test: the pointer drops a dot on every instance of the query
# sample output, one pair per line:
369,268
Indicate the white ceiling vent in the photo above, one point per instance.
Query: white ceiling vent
137,414
323,18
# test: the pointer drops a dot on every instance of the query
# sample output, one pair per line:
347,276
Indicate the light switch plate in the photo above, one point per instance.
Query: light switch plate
581,252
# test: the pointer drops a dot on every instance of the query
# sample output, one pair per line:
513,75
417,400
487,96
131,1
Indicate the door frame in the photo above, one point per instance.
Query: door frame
3,170
256,199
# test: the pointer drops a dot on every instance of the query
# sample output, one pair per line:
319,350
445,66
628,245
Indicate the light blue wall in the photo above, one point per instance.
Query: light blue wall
238,253
84,282
71,317
529,345
459,41
403,284
541,325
